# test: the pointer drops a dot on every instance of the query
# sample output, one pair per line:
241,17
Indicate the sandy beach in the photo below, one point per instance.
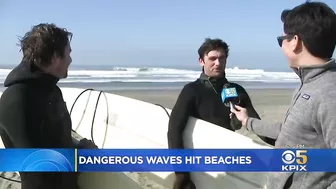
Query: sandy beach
271,104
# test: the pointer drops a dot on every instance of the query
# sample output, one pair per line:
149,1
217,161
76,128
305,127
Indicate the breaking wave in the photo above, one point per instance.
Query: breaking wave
154,75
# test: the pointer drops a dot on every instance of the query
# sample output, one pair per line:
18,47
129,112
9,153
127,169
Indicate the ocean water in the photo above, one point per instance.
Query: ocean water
153,78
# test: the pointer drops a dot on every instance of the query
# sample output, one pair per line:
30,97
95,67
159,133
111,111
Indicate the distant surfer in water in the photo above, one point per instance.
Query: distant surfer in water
33,113
308,43
202,99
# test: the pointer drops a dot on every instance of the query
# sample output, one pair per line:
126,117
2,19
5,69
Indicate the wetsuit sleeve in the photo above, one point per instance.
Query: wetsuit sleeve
183,108
247,103
14,126
252,113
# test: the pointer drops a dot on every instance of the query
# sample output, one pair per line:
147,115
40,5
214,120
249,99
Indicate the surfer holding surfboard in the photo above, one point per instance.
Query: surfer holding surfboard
33,113
308,43
202,99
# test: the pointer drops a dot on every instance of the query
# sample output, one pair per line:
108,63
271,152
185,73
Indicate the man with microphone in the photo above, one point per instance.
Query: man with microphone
308,43
206,99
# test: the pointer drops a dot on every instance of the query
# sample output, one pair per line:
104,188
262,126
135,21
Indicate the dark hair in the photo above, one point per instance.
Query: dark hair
212,44
44,41
315,24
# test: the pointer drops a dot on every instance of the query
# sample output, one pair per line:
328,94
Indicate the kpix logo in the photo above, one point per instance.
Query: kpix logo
290,158
230,92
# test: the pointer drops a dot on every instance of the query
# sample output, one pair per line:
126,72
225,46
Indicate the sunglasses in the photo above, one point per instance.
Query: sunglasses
281,38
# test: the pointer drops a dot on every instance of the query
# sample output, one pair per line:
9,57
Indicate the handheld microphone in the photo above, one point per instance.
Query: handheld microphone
230,98
76,138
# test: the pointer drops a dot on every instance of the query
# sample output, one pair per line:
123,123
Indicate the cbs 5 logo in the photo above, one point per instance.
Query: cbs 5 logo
289,157
46,160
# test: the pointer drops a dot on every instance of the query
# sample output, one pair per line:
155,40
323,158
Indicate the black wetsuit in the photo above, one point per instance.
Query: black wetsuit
33,114
202,99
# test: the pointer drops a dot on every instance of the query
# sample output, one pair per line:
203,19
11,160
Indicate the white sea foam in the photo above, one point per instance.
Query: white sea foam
125,74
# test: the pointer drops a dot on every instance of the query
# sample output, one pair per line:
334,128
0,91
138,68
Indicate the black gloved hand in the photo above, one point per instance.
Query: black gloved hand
183,181
85,143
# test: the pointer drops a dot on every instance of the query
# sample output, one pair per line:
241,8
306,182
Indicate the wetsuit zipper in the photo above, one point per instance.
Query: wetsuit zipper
212,85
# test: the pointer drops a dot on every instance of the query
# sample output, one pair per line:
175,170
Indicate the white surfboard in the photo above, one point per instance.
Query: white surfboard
121,122
101,180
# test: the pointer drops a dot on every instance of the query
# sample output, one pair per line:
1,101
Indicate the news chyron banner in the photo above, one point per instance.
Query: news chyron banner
37,160
148,160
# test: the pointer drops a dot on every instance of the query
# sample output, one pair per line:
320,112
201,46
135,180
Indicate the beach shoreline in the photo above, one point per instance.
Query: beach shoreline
271,104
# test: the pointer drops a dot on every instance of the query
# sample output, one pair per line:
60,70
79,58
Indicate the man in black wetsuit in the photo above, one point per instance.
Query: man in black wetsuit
202,99
33,113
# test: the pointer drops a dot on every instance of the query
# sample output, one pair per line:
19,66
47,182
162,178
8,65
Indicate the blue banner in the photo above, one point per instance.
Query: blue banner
207,160
37,160
158,160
